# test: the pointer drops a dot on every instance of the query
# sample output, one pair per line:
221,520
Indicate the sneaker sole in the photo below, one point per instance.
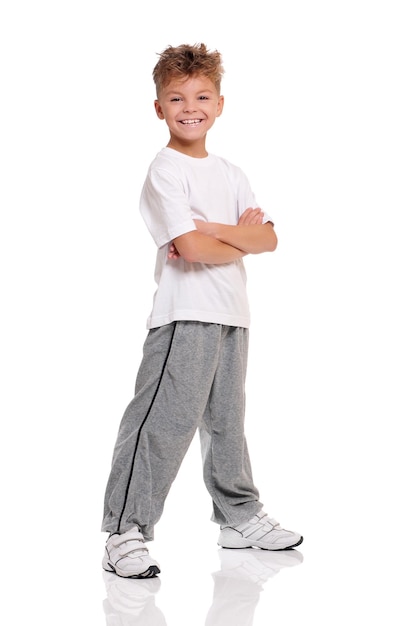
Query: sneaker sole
151,572
259,544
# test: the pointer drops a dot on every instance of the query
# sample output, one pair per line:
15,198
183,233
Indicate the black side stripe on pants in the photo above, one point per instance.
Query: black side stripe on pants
142,425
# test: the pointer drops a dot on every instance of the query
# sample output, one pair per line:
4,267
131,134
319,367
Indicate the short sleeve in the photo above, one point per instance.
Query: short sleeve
165,207
246,197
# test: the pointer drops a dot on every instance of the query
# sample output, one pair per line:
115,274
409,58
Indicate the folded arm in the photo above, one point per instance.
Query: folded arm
249,235
197,247
217,243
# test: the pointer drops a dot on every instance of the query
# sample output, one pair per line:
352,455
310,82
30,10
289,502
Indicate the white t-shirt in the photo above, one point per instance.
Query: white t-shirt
178,189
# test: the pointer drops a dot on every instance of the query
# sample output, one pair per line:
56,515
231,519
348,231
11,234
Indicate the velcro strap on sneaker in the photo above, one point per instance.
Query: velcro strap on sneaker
265,519
131,547
118,540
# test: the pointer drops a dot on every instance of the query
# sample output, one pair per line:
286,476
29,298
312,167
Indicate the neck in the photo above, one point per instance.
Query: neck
196,150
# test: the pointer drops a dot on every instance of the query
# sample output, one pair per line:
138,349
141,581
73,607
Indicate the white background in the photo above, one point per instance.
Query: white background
320,113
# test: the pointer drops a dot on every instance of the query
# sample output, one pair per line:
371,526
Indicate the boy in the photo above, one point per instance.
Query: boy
202,214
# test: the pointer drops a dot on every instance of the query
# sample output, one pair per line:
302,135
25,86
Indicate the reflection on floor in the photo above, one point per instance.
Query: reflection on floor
237,587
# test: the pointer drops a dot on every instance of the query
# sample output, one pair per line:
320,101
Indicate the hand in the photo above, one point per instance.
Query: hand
251,216
173,252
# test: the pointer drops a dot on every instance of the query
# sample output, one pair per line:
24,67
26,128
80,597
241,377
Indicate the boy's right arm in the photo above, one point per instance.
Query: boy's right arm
195,247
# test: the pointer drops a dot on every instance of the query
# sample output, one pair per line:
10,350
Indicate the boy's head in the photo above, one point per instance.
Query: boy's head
185,61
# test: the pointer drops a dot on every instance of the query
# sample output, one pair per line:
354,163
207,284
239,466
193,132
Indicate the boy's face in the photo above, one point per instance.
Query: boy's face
189,108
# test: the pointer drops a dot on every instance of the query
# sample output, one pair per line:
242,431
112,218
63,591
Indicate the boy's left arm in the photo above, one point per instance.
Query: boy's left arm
249,235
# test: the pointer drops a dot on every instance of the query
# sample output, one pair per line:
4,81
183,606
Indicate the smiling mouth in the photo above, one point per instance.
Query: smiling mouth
190,122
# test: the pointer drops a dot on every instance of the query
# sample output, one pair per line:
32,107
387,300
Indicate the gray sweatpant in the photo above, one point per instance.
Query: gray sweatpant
192,375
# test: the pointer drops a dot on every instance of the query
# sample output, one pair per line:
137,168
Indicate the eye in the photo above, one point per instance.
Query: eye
203,98
175,99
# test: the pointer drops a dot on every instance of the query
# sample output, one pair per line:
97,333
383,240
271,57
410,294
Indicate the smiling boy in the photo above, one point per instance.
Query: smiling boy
203,217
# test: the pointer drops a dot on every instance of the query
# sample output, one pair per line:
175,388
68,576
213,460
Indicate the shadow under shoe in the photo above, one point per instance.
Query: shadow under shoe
255,565
239,583
131,602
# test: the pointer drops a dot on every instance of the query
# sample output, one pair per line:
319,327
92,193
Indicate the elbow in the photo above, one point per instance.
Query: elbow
271,242
187,247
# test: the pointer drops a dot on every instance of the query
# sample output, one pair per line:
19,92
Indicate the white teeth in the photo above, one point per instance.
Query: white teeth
190,122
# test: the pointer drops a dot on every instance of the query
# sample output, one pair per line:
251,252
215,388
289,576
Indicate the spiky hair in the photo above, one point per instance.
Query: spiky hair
185,61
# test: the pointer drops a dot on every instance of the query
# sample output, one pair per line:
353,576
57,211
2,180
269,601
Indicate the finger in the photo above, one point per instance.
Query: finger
254,217
246,216
258,215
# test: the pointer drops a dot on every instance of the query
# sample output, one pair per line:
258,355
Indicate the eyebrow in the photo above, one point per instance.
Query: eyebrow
180,93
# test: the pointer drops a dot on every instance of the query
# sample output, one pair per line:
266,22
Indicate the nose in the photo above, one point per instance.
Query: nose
189,106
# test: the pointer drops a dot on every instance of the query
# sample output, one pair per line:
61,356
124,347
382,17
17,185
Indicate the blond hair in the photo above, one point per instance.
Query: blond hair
185,61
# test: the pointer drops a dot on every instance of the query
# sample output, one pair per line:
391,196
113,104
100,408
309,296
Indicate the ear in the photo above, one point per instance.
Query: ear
220,105
158,110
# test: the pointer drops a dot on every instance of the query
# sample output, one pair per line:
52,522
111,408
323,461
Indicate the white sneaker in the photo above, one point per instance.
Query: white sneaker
260,532
128,556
